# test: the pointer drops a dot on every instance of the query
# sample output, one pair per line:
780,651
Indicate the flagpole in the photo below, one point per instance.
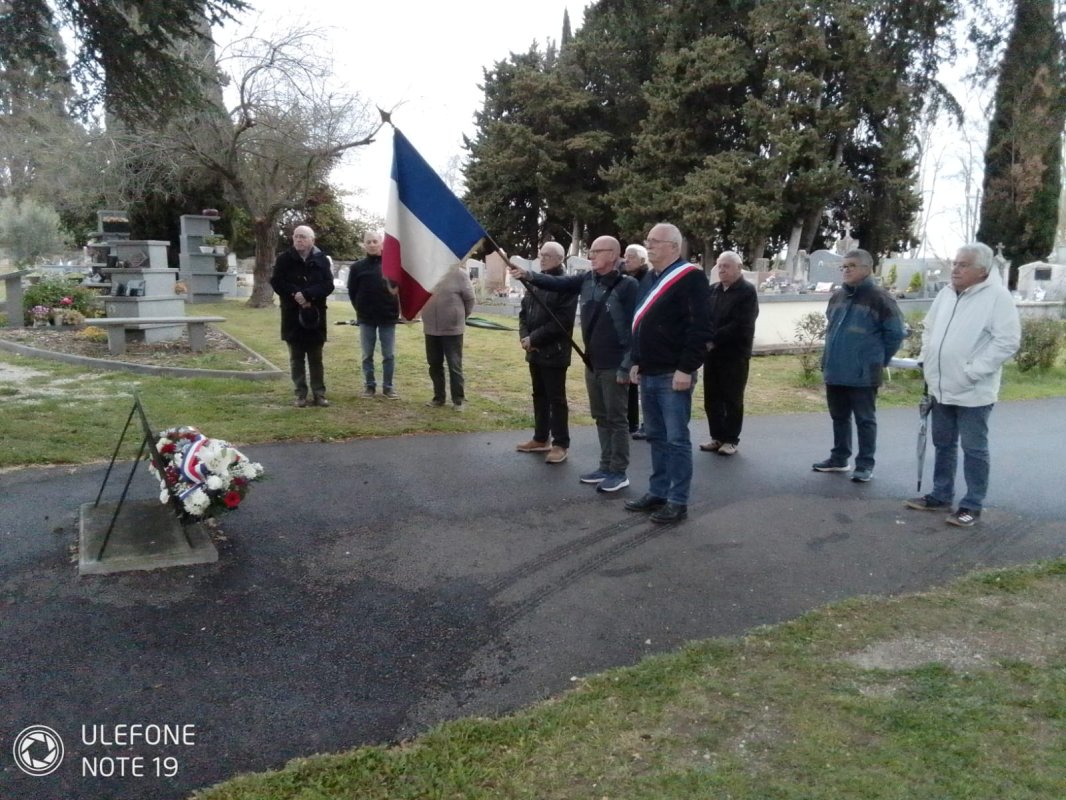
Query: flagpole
386,119
541,303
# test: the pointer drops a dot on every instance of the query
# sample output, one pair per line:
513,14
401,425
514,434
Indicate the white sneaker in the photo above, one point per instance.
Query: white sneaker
727,449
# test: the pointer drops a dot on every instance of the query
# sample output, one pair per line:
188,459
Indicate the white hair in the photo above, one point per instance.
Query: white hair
733,256
982,255
553,247
639,249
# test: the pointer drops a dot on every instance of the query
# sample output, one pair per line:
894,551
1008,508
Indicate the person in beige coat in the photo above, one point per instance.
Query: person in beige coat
443,322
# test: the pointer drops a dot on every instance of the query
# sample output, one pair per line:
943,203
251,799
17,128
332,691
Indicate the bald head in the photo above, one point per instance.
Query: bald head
604,254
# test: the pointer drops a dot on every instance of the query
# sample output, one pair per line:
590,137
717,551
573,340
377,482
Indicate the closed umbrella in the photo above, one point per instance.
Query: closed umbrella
925,405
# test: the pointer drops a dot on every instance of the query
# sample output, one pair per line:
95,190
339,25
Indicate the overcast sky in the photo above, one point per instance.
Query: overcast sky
428,56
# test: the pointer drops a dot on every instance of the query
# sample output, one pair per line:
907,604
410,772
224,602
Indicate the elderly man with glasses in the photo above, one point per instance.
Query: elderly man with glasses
671,329
607,298
545,325
864,330
971,329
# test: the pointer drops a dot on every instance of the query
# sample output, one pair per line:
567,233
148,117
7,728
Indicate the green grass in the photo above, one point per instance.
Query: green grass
787,712
71,415
832,705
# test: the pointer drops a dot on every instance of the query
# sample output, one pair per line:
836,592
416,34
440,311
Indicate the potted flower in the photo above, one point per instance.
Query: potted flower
205,476
218,243
39,315
59,312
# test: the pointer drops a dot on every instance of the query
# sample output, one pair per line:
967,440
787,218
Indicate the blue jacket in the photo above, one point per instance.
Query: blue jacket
864,331
607,347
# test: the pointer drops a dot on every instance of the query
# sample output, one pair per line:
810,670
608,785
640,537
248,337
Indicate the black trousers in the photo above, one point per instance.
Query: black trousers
438,350
551,414
304,358
724,381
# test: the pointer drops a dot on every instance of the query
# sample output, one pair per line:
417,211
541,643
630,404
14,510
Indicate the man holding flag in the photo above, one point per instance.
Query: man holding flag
671,329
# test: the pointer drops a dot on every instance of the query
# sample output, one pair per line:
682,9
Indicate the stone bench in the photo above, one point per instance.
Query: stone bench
117,327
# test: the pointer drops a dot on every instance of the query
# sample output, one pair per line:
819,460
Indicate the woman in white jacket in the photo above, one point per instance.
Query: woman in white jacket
971,329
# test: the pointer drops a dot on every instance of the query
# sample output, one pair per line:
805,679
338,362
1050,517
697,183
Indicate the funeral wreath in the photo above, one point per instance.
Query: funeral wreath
207,476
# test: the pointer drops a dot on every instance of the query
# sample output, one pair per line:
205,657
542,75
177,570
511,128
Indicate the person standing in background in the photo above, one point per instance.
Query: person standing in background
377,309
302,281
443,323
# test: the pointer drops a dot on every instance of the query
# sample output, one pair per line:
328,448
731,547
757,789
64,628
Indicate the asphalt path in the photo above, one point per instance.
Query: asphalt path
370,589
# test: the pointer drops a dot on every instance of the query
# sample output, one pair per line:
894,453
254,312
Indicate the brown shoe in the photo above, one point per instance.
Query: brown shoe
711,446
557,455
533,446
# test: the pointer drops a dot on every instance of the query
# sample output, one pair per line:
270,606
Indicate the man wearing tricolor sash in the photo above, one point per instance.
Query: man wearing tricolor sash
671,329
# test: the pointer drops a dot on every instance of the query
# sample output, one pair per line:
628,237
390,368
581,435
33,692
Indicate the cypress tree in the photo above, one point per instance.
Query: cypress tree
1019,204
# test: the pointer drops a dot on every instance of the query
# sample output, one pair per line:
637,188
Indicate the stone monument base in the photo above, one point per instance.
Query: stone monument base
147,535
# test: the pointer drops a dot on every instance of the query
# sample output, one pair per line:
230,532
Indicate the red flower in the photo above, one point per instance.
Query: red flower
66,301
231,499
168,448
240,481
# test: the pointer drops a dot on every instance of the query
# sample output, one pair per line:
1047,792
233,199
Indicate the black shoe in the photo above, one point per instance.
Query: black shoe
671,512
648,502
321,401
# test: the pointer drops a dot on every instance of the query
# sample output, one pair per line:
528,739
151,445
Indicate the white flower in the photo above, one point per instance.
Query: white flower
197,502
214,483
164,496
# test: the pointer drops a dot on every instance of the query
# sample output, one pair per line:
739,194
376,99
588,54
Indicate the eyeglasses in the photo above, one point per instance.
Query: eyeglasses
651,242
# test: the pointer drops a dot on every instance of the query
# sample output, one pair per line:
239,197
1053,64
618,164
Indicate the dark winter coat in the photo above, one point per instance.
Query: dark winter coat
864,330
607,345
314,279
550,338
733,314
673,332
375,301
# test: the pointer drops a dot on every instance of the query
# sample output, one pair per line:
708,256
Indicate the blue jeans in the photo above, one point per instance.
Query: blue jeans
950,424
666,417
845,402
368,333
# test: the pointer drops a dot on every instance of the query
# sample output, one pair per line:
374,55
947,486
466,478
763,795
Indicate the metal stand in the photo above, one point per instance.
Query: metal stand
147,441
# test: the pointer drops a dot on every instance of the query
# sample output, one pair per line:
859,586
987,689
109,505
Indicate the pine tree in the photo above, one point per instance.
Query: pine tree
1019,206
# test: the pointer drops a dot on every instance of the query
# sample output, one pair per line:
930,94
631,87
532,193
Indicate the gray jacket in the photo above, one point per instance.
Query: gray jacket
452,302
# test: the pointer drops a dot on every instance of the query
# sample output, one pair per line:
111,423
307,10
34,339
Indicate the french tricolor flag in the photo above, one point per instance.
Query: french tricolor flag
427,229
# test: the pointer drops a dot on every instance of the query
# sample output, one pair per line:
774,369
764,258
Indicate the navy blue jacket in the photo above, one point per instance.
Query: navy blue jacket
673,333
607,346
864,331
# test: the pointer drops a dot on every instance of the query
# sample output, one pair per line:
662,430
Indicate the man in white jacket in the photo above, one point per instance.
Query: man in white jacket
971,329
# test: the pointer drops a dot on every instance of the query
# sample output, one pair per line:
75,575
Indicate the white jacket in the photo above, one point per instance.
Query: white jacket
966,340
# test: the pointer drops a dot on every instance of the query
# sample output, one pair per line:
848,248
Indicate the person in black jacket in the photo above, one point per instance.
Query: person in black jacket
671,329
607,299
303,280
734,308
636,266
546,341
377,310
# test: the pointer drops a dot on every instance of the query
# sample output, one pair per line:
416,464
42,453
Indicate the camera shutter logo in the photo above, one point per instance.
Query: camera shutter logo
38,750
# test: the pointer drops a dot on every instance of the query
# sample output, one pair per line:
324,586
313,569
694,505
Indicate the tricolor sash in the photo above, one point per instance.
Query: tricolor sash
662,287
